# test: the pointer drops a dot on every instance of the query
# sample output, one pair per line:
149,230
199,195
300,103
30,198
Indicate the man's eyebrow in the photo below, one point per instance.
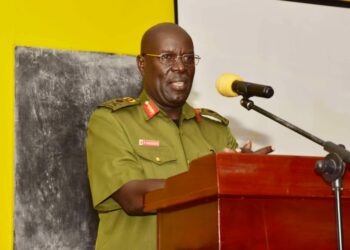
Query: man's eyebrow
168,51
174,52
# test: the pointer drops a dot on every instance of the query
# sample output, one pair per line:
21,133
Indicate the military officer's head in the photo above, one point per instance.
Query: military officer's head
167,64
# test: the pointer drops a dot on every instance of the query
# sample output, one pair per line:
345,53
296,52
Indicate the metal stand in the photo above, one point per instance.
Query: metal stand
332,168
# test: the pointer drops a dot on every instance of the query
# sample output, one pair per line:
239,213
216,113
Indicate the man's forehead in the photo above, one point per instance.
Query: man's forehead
172,39
166,37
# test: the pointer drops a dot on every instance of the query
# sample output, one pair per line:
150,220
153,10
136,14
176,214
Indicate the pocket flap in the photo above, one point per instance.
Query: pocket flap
158,155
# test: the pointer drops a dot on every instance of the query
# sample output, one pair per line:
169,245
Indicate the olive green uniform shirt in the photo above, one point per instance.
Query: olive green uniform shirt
130,140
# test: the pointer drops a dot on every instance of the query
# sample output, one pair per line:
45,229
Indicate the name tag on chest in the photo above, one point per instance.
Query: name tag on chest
149,143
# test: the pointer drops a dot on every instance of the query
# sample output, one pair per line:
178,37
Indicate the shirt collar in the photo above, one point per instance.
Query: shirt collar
151,110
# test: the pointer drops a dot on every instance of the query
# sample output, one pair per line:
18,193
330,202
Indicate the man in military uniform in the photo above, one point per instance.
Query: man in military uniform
133,145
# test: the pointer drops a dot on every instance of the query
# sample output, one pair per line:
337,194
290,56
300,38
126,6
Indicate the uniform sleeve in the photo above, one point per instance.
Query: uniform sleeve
231,141
110,157
217,134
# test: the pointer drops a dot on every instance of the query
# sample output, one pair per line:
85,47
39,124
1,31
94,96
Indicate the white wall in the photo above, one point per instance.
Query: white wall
302,50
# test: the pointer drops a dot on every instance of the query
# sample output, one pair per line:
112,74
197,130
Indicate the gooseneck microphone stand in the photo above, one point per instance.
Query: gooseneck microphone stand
332,168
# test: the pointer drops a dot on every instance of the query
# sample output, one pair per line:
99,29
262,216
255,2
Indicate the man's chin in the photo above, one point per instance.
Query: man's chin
176,103
179,100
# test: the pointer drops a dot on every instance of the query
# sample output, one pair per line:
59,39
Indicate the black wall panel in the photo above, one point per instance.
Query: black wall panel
56,91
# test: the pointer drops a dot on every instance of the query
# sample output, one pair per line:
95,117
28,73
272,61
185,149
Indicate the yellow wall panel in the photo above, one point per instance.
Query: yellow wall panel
6,126
110,26
87,25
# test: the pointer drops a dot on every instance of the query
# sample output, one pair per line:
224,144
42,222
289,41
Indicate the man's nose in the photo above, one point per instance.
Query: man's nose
178,64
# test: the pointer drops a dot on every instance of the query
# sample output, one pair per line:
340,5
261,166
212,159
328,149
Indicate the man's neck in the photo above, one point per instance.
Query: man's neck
173,114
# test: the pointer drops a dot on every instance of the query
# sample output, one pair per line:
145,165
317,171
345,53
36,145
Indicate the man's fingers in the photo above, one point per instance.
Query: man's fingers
247,146
228,150
264,150
247,149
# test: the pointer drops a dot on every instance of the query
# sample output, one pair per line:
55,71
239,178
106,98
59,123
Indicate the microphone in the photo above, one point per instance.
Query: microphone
232,85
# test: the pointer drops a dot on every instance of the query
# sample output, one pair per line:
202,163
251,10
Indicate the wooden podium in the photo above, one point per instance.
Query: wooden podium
238,201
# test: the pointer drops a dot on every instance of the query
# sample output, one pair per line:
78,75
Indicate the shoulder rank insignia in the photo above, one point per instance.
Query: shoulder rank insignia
150,108
211,115
118,103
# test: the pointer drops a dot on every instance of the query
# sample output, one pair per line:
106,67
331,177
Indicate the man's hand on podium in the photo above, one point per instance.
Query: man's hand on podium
247,149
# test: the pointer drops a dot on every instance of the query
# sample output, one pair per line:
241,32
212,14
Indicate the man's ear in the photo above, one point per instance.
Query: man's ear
141,64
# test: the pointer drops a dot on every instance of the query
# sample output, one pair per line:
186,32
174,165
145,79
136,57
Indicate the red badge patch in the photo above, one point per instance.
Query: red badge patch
198,114
150,109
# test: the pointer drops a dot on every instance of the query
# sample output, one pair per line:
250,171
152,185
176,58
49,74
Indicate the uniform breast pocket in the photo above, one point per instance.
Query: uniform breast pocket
157,162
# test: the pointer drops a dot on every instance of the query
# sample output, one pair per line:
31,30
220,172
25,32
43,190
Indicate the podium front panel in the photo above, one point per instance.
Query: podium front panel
238,201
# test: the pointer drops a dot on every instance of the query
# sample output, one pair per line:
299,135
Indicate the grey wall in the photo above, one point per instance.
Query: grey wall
302,50
56,92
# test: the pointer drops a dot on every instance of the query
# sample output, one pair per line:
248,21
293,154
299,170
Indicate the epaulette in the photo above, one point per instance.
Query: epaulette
213,116
118,103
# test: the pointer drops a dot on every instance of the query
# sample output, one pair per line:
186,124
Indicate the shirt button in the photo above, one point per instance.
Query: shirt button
158,159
